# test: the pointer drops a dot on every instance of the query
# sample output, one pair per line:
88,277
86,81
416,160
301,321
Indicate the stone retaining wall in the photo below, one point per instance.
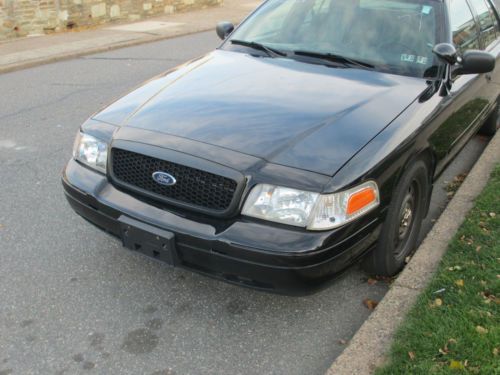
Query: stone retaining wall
29,17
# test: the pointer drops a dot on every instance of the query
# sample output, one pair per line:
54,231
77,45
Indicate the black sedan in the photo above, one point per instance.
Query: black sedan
309,139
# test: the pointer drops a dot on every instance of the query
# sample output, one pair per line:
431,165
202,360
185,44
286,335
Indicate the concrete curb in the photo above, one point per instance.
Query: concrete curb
369,346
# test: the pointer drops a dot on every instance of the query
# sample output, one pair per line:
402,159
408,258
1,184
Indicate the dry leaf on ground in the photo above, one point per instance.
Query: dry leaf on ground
481,330
438,302
460,283
370,304
456,365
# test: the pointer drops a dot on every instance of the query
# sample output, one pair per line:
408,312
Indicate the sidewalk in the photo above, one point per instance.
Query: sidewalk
26,52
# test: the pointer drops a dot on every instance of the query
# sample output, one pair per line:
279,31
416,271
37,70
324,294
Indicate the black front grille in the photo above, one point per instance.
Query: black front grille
194,187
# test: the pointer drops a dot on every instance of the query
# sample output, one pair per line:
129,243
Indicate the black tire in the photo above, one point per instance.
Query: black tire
401,228
489,128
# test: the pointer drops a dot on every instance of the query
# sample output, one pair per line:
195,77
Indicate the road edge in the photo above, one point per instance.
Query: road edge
25,64
368,348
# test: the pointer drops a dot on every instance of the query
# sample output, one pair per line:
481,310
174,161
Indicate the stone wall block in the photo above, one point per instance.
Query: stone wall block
27,17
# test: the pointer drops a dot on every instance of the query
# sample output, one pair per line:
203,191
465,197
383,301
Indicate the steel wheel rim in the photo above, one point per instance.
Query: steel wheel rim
406,219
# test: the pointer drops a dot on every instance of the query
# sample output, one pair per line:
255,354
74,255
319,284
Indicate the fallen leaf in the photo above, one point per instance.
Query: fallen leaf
372,281
488,296
411,355
481,330
492,214
495,351
460,283
438,302
385,279
478,249
407,260
342,342
456,365
370,304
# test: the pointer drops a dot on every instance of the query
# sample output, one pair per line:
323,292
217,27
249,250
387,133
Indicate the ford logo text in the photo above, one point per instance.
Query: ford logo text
164,178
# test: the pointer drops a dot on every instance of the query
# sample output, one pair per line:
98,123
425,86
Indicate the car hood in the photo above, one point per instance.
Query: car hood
305,116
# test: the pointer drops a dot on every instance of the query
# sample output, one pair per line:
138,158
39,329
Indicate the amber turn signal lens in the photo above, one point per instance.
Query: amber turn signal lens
361,199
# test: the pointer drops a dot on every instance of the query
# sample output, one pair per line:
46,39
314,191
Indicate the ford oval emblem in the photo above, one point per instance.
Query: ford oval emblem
164,178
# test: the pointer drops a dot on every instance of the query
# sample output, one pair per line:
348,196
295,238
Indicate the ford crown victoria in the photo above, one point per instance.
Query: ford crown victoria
308,140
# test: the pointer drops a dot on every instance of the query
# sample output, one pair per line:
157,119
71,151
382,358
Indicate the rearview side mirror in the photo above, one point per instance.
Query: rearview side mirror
224,29
472,61
476,62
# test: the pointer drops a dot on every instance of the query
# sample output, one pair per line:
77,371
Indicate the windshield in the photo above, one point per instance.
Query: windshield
390,35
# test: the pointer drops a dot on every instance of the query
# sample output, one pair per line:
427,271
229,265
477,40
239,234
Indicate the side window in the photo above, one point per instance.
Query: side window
487,20
464,28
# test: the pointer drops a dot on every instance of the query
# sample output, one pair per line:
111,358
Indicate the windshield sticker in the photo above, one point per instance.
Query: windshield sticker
426,9
408,58
422,60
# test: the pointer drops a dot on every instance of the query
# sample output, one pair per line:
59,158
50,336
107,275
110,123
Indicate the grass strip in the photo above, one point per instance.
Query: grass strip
455,325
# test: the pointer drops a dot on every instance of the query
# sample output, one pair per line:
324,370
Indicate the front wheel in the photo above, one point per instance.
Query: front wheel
402,225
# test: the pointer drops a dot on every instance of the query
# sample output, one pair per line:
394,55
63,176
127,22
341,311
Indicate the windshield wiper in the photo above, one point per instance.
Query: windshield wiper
271,52
336,58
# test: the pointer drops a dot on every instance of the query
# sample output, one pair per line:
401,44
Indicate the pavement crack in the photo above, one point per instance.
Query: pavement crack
404,286
72,84
46,104
129,58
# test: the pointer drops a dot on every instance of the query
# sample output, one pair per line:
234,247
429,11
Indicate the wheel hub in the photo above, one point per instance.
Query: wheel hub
406,215
405,221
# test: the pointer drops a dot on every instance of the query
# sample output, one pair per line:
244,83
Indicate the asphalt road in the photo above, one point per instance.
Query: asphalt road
73,301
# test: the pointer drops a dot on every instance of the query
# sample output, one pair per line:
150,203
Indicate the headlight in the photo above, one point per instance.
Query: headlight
279,204
311,210
91,151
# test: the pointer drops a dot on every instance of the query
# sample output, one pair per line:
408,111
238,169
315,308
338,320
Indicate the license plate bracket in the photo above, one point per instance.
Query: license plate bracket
148,240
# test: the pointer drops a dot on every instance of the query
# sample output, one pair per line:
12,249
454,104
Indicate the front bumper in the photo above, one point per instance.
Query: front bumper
247,252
